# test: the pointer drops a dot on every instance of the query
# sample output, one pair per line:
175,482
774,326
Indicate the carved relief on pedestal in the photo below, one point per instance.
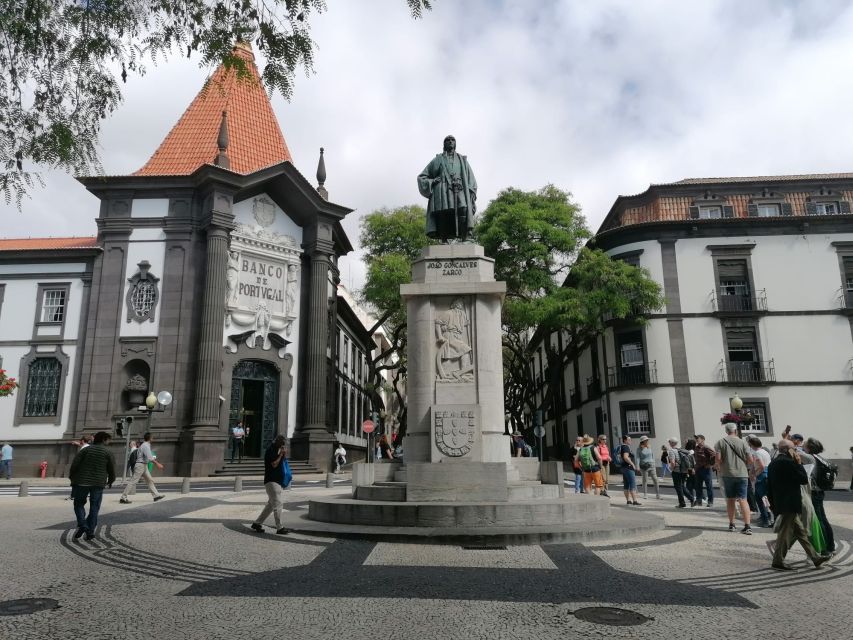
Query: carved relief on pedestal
455,429
262,282
454,354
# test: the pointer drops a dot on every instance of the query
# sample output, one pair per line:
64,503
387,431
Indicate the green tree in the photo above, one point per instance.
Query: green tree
555,285
62,60
392,239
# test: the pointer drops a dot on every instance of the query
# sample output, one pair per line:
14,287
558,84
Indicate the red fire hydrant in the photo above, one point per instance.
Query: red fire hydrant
43,468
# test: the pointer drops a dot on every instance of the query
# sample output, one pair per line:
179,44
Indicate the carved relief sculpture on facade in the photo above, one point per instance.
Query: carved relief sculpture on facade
142,294
454,358
233,277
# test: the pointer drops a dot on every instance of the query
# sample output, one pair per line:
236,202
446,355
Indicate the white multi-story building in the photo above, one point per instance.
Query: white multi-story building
758,279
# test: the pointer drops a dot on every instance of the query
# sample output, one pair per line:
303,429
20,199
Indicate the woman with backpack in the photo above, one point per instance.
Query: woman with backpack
815,448
590,463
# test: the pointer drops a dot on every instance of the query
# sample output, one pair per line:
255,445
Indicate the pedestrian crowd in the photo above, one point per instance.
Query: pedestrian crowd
785,486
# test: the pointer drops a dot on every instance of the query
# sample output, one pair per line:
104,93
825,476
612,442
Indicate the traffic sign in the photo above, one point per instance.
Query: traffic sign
539,432
367,426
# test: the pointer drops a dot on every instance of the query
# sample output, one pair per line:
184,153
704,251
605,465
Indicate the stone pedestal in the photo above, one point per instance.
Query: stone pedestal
455,374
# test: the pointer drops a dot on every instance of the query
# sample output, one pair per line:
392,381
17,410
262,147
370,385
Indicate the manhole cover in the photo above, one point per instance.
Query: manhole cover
26,606
611,616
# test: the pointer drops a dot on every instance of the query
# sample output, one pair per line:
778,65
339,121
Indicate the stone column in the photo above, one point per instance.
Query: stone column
318,335
209,358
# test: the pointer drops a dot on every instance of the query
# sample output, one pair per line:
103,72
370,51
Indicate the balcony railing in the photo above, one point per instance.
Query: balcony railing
845,299
739,303
754,372
632,376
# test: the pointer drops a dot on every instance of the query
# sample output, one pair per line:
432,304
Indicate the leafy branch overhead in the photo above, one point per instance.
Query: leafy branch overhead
63,64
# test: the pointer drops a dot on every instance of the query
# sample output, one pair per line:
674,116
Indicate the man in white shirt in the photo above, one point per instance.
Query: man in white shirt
140,470
238,435
6,460
340,457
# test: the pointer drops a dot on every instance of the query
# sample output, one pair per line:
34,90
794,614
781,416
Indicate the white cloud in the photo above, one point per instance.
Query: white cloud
599,97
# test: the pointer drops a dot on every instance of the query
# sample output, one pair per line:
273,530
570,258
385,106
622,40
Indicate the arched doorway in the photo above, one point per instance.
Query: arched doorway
254,399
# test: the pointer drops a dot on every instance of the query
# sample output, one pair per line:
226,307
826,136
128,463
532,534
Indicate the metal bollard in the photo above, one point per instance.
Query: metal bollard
330,480
238,483
185,486
24,489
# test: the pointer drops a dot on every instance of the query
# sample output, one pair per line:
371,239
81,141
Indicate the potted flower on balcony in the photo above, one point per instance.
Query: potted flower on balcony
742,420
136,388
7,385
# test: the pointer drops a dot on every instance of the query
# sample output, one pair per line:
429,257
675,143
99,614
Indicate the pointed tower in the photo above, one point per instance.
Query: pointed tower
252,135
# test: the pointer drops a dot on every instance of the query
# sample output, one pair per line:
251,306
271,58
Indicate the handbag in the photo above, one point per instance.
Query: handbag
286,474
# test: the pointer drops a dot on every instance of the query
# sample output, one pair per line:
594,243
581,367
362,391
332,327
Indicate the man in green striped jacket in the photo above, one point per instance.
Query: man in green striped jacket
92,469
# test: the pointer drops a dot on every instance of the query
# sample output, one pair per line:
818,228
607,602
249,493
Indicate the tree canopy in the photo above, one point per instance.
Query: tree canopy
392,239
63,62
554,284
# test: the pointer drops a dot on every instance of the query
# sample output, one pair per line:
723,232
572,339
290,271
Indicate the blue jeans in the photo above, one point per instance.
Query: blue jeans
6,469
705,477
578,481
80,494
761,491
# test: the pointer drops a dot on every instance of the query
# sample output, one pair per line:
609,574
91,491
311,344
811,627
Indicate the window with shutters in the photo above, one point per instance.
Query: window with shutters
827,207
711,211
733,288
770,210
847,276
744,362
632,258
53,305
637,418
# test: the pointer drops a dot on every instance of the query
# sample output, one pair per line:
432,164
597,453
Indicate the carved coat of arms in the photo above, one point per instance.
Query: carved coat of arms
264,211
455,432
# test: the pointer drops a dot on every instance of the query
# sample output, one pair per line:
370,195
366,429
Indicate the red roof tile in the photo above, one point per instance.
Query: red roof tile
790,178
255,140
35,244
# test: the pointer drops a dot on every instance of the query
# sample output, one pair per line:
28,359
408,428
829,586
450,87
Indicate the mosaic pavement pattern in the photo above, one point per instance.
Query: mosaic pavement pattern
190,567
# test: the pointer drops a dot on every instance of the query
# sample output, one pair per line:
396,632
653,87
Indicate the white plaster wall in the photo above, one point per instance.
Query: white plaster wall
29,267
18,310
664,412
33,431
657,348
285,225
696,272
823,412
813,348
145,244
150,208
703,340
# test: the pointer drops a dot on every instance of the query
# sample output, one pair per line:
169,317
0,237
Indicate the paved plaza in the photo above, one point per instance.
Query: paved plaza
190,567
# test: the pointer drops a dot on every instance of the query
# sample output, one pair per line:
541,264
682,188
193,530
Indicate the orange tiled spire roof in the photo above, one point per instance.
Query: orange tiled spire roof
254,138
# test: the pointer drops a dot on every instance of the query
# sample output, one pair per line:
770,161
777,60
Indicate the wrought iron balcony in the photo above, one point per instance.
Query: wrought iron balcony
737,304
646,373
845,300
752,372
593,387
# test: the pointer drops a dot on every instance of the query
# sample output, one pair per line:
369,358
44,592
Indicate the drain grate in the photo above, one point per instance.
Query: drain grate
26,606
484,547
612,616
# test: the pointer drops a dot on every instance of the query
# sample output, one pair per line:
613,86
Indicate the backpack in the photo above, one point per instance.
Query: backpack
824,474
586,458
528,451
131,461
686,462
616,455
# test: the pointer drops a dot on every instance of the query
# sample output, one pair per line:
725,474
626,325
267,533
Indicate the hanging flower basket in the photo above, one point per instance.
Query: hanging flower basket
7,385
741,419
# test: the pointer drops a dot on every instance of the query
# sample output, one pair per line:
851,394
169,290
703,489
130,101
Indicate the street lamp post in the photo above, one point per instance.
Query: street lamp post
164,399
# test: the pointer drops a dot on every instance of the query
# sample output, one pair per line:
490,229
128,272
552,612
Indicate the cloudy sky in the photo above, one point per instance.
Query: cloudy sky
599,97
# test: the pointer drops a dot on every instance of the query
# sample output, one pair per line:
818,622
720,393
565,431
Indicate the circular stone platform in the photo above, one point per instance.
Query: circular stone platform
573,518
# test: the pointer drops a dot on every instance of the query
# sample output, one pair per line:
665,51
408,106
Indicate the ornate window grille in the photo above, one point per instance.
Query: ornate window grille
43,382
53,305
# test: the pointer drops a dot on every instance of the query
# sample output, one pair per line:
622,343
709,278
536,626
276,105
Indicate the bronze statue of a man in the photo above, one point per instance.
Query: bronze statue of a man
450,185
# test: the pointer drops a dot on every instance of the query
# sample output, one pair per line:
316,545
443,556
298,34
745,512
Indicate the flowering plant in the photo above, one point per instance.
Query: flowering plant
7,385
745,418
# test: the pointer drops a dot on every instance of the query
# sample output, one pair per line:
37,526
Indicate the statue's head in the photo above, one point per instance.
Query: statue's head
449,144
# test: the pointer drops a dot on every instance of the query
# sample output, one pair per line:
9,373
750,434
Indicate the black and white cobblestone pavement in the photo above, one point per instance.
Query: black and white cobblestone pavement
189,567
